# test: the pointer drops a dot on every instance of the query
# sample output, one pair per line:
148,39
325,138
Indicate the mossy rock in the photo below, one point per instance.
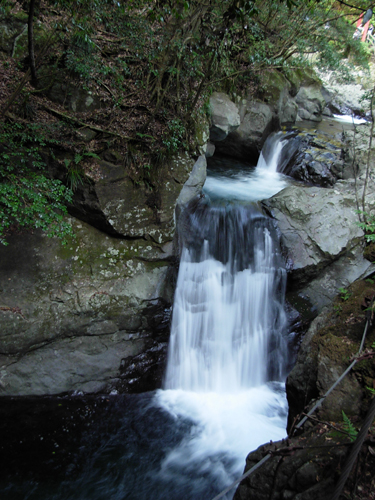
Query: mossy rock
301,76
272,85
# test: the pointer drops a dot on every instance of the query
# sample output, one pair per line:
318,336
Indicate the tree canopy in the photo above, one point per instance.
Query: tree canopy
153,65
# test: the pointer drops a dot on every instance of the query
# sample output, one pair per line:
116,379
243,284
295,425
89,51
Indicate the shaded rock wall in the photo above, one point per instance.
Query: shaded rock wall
70,314
72,318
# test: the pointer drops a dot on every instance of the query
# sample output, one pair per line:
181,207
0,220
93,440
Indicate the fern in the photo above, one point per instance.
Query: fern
349,427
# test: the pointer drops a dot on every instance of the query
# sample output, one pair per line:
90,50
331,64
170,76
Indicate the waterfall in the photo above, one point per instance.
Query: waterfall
228,319
271,152
227,353
224,390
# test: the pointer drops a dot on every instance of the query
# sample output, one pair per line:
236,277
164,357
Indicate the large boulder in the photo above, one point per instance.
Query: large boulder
301,468
69,315
311,103
314,157
278,92
256,124
224,116
321,238
113,203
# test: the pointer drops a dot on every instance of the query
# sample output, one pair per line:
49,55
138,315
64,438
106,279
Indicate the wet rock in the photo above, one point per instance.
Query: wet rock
298,469
317,159
143,372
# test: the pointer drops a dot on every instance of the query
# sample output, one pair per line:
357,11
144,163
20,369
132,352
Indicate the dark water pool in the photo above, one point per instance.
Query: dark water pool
94,448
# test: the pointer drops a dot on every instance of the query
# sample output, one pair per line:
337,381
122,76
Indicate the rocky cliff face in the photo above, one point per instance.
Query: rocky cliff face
72,317
240,127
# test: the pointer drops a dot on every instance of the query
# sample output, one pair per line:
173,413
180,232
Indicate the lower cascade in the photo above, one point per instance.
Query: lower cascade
228,321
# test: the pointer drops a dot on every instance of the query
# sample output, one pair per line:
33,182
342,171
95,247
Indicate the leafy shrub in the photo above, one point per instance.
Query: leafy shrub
368,226
28,196
173,140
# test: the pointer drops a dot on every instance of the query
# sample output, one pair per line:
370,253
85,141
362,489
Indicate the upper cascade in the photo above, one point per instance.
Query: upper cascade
277,151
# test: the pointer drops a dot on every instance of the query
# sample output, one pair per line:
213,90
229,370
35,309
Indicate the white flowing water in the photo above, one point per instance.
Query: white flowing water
250,184
350,119
228,348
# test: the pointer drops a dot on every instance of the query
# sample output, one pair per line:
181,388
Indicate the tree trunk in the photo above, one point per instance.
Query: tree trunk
30,26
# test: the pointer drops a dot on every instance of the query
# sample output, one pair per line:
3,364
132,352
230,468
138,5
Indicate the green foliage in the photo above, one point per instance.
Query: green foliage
173,140
75,172
28,196
368,226
345,294
5,7
349,427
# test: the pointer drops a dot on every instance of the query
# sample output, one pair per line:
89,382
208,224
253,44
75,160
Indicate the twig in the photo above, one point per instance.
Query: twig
64,116
316,420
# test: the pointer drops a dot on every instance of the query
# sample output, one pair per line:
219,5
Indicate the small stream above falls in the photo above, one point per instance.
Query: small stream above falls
224,389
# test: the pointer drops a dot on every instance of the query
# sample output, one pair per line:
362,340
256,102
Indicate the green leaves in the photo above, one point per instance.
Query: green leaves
349,427
75,172
28,197
368,226
174,139
344,294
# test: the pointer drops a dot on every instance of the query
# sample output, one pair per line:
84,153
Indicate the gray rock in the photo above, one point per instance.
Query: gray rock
68,315
247,140
210,150
224,116
317,158
193,186
112,203
321,238
288,111
79,364
311,103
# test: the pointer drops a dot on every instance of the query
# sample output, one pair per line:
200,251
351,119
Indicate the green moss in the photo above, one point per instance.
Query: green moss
272,84
340,339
